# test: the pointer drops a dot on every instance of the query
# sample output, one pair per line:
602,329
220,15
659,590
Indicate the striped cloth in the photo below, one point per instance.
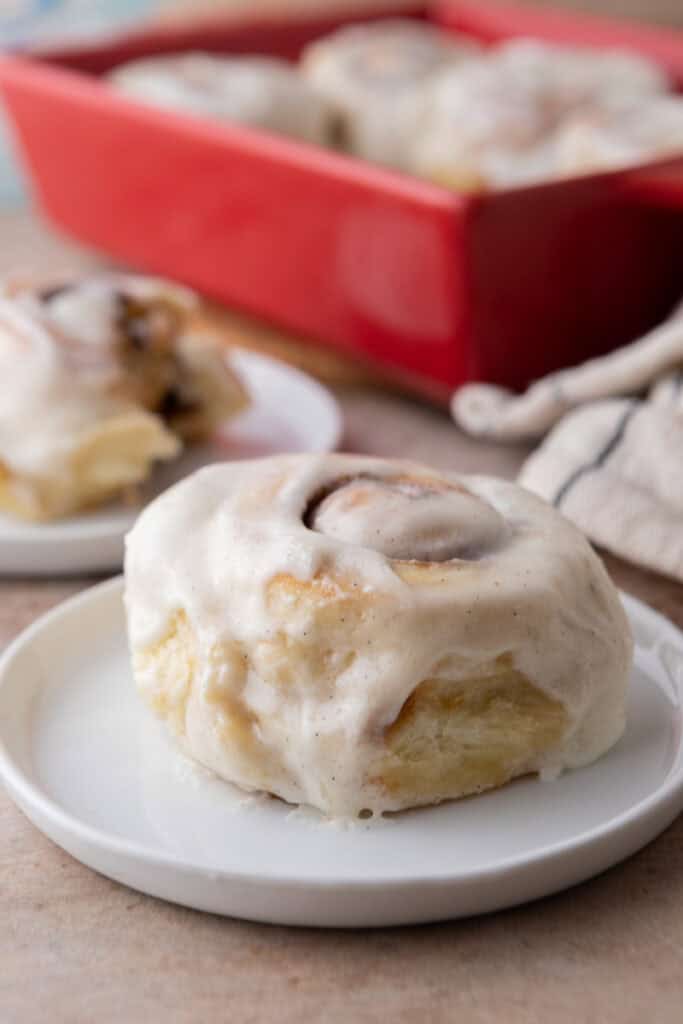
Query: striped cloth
614,465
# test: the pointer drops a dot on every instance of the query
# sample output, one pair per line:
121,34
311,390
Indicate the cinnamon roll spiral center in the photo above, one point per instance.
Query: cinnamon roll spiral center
407,518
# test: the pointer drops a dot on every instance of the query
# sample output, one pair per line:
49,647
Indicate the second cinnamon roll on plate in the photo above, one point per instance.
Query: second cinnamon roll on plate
116,387
105,377
359,634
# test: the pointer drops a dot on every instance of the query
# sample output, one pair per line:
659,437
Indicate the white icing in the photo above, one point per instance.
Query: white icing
376,75
531,587
566,79
87,311
502,118
619,134
63,361
45,409
259,91
405,94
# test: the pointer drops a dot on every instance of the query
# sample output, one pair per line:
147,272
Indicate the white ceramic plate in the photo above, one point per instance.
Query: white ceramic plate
94,771
289,412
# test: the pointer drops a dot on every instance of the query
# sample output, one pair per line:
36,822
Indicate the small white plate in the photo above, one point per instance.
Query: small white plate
289,412
94,771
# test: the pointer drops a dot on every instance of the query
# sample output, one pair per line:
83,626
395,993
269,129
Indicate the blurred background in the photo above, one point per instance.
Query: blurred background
664,11
25,23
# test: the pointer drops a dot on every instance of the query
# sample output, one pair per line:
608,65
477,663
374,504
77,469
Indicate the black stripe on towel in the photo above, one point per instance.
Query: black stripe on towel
601,458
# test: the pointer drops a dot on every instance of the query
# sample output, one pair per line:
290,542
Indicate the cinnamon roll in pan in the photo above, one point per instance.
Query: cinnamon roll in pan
620,134
263,92
103,377
506,119
376,77
362,634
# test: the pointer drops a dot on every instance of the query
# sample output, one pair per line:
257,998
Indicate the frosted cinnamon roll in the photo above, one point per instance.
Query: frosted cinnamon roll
497,121
479,130
376,75
567,78
105,379
362,634
260,91
620,134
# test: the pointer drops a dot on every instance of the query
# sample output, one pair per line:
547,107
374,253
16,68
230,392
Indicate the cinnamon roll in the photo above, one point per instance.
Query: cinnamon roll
620,134
503,119
360,634
103,378
260,91
376,77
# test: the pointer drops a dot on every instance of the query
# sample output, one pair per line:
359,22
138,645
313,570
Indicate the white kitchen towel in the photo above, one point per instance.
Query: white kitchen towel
615,468
613,465
487,411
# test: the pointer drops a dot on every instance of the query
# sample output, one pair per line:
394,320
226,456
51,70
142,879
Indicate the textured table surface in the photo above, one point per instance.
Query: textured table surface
76,948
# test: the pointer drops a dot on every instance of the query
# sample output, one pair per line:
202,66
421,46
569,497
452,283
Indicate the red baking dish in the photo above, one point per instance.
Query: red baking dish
436,286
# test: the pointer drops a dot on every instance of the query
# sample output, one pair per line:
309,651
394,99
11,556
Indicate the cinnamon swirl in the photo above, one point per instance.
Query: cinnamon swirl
355,633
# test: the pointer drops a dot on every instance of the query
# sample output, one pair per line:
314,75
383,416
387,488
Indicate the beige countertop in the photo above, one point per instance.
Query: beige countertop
76,948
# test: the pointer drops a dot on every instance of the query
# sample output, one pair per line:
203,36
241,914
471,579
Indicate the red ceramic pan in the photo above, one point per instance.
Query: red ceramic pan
434,286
